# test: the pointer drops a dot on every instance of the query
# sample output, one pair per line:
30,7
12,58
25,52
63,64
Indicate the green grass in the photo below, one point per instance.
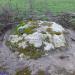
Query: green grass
41,5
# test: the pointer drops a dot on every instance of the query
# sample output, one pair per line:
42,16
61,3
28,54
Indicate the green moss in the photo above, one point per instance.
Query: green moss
57,33
29,30
22,23
49,30
25,71
32,52
40,72
12,46
36,54
15,30
52,32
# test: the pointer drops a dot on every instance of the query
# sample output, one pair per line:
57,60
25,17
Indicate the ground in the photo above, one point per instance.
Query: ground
58,62
62,62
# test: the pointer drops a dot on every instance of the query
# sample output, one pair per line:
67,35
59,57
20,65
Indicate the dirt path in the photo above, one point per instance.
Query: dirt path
64,61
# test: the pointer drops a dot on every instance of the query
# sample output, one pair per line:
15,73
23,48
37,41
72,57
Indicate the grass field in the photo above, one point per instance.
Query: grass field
41,5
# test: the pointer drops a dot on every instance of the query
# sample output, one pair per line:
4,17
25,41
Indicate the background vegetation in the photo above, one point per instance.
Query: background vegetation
16,10
40,6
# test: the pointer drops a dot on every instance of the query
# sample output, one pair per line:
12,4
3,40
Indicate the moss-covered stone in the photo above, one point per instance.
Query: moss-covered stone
34,38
